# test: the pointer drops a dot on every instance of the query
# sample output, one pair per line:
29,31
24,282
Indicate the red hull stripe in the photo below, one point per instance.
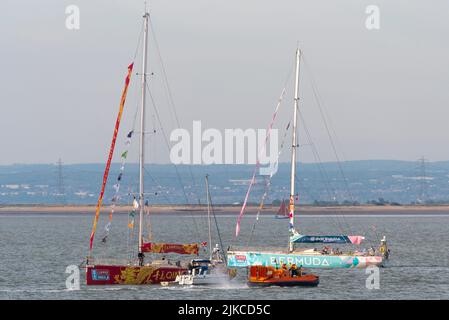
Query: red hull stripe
131,275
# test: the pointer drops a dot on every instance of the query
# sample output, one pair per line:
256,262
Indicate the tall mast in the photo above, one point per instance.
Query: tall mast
209,210
142,130
294,147
208,215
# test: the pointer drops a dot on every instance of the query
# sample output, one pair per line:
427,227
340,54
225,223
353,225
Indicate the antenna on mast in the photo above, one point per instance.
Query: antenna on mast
146,6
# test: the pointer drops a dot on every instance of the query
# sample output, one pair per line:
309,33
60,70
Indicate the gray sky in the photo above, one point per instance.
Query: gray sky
386,91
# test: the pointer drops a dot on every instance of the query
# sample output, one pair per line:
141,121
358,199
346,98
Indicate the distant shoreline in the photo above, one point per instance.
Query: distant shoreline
229,209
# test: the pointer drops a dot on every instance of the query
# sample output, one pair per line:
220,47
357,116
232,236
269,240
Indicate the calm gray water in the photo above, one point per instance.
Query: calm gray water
35,250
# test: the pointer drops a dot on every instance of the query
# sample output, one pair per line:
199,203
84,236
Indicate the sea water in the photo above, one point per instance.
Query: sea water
36,249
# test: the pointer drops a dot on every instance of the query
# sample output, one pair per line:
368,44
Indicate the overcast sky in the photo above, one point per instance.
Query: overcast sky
385,91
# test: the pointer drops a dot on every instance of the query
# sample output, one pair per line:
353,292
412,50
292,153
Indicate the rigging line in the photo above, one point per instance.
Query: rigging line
170,95
129,242
164,73
135,113
373,227
130,234
136,93
216,225
321,170
128,239
267,137
336,223
257,166
167,144
175,166
127,147
267,186
139,41
309,191
148,224
319,99
323,116
302,186
156,182
330,191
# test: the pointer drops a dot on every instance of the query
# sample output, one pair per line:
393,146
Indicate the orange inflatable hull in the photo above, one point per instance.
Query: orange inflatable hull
269,276
308,280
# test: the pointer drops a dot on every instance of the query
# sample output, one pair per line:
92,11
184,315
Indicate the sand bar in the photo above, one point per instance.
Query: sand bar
229,209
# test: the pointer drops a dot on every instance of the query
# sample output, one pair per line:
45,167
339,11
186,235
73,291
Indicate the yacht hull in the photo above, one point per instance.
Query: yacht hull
307,260
208,279
131,275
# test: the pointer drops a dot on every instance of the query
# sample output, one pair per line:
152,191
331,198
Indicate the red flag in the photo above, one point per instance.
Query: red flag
111,152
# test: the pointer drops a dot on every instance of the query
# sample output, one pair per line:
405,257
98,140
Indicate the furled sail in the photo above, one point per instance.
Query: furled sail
188,248
298,238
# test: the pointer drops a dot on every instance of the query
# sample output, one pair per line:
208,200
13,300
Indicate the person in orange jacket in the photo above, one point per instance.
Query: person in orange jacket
284,269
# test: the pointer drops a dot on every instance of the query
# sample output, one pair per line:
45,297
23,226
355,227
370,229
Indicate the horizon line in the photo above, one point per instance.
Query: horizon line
216,164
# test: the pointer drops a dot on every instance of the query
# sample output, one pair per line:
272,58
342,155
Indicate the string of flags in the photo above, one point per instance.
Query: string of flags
132,214
115,199
111,153
272,172
253,179
268,182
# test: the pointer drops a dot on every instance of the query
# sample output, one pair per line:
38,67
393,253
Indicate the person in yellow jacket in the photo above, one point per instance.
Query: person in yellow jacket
294,270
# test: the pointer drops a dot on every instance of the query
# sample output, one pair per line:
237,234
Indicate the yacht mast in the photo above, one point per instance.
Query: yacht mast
294,147
142,133
208,215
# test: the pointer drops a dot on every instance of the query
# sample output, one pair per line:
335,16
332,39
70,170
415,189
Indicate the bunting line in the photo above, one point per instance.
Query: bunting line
116,186
111,152
253,179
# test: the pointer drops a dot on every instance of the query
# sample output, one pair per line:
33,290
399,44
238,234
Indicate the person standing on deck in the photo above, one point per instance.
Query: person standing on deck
284,269
294,270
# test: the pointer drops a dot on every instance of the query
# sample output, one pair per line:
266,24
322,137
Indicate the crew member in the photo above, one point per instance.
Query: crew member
284,269
141,257
294,270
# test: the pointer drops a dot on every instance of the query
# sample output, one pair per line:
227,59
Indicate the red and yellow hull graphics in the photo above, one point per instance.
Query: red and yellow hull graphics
131,275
